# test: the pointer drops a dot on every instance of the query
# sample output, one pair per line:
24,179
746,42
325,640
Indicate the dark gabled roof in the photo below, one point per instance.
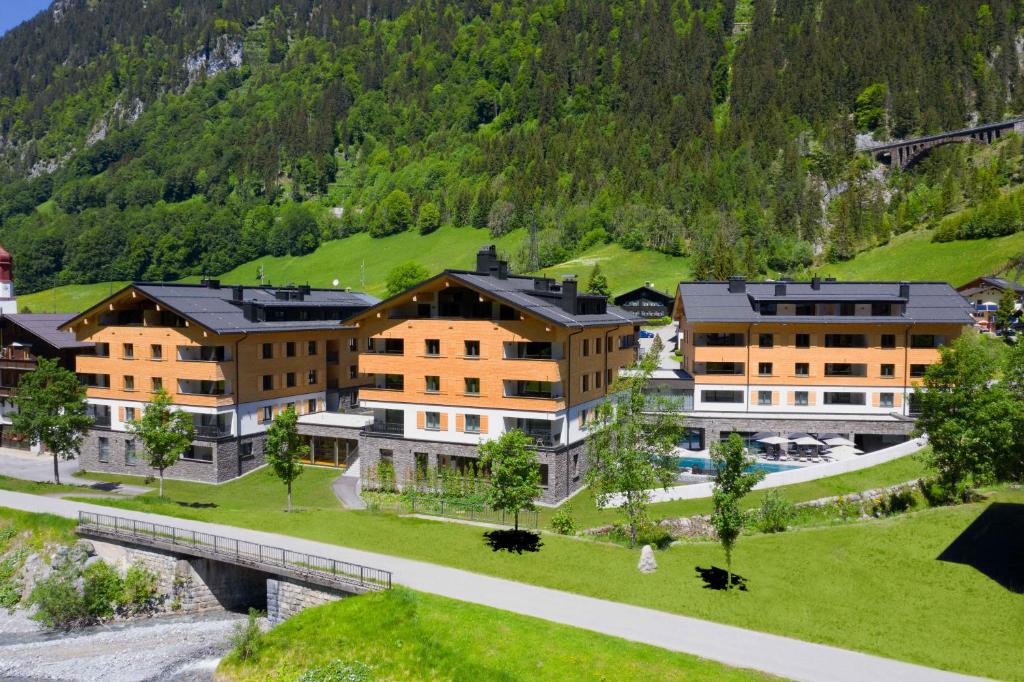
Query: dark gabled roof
994,282
926,302
45,327
214,309
520,292
658,295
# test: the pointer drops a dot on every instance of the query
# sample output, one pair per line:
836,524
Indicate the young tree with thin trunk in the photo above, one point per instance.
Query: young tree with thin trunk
515,474
1006,311
51,411
631,448
731,484
285,449
166,433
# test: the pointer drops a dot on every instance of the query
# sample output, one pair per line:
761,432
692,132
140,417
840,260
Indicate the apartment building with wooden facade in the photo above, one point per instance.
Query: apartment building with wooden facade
465,356
233,357
809,356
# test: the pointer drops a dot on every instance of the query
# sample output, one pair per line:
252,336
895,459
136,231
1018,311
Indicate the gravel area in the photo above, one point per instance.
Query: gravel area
172,648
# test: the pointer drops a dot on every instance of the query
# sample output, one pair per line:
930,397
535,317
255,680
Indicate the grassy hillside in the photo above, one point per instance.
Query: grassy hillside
625,269
405,635
363,262
914,256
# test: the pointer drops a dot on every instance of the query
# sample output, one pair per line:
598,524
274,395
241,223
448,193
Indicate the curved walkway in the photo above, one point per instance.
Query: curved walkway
801,475
346,488
790,658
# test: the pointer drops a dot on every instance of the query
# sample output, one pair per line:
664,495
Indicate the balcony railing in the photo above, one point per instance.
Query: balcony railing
100,419
541,439
387,428
16,355
211,432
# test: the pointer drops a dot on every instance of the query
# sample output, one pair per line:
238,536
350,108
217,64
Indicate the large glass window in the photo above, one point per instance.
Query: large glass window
473,423
712,396
836,398
130,457
846,341
845,369
432,421
103,449
764,397
800,398
918,370
925,341
886,400
720,339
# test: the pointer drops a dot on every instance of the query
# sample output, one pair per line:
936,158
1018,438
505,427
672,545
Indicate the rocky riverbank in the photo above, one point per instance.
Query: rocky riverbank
164,649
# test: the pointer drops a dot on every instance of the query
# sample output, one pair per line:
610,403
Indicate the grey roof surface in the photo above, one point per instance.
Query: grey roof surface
45,326
518,291
933,302
213,309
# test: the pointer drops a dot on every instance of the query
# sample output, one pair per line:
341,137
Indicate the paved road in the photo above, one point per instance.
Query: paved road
31,467
734,646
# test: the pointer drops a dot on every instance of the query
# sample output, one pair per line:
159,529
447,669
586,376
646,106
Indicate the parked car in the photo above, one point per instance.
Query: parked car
644,334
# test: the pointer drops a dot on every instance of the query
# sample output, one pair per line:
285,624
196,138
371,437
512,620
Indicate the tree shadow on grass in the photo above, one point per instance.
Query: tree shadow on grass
517,541
994,545
197,505
715,578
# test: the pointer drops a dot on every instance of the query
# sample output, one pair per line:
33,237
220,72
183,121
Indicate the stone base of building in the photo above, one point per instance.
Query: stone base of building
217,461
713,428
565,467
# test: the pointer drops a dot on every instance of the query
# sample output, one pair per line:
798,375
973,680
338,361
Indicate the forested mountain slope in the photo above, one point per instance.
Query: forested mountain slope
176,137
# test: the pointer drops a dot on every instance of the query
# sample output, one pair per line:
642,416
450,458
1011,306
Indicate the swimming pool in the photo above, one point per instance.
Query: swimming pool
702,464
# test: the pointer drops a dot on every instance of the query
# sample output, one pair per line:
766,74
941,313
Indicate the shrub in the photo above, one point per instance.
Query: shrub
10,587
938,495
101,590
563,522
891,503
338,671
59,603
247,638
655,536
775,513
139,589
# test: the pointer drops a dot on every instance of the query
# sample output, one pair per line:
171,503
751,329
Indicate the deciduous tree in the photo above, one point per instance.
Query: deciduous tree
731,484
406,275
166,433
285,449
51,411
515,474
631,448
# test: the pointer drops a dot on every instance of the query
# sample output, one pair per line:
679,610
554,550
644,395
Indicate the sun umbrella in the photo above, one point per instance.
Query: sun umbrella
793,437
839,440
827,436
762,434
773,440
808,441
844,452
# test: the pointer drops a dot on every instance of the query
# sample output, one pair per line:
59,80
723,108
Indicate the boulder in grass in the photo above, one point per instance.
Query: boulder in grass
647,563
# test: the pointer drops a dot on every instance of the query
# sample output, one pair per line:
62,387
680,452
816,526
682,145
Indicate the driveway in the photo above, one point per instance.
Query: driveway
31,467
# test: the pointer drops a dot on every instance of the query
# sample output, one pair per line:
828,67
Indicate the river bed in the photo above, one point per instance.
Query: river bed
161,649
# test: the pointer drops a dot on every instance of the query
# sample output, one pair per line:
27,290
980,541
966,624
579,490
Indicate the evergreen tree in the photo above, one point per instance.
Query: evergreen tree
598,283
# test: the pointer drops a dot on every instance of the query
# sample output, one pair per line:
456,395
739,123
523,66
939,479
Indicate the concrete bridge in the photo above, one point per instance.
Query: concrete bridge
202,571
904,153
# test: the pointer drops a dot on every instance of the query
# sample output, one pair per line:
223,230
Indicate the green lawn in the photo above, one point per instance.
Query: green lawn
626,269
913,256
407,636
874,586
35,531
36,488
897,471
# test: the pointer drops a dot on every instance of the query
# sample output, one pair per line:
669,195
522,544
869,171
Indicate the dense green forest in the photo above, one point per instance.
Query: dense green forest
183,137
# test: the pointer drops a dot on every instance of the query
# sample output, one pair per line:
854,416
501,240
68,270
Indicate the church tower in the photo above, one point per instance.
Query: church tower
8,304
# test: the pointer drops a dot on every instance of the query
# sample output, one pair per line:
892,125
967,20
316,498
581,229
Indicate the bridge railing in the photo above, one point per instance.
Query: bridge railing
232,550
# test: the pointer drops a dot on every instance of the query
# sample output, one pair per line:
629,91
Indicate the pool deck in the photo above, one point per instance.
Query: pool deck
809,472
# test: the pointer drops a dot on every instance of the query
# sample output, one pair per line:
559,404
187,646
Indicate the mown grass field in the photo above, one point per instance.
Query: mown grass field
913,256
407,636
626,269
72,298
875,586
585,511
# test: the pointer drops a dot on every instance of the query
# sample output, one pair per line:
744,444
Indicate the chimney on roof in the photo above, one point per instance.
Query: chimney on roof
486,257
816,283
499,269
780,289
541,284
306,289
211,283
569,295
904,289
737,284
237,293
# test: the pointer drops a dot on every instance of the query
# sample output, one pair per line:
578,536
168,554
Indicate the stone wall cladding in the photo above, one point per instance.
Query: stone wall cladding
561,481
713,426
224,467
286,597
